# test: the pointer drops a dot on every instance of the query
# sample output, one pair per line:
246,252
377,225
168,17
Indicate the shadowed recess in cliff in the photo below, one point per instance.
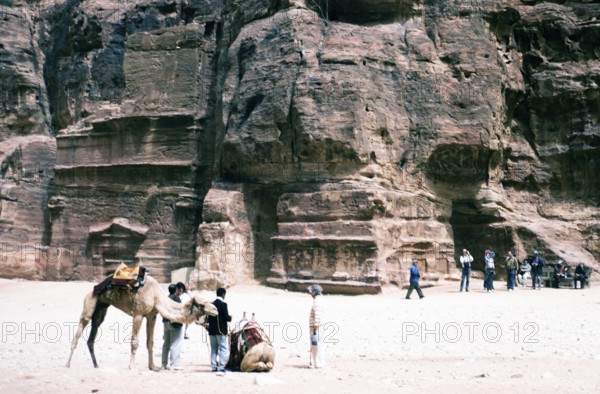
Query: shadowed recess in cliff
458,163
364,11
261,205
477,231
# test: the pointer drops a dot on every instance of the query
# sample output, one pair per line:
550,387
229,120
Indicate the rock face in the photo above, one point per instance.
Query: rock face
142,163
298,141
27,150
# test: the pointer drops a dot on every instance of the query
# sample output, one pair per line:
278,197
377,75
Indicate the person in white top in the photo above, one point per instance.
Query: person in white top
465,261
317,354
524,273
184,296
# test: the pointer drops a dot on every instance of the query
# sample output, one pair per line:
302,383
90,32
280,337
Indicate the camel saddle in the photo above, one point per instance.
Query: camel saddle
122,277
242,340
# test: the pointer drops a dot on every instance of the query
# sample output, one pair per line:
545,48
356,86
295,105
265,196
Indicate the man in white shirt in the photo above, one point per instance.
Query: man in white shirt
184,296
465,261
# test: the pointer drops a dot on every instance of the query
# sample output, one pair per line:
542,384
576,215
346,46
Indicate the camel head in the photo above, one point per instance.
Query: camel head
200,307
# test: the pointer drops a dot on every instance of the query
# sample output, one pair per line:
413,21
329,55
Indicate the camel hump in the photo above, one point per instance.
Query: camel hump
126,273
123,277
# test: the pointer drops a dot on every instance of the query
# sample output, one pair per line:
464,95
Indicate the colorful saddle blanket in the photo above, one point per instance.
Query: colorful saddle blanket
242,340
122,277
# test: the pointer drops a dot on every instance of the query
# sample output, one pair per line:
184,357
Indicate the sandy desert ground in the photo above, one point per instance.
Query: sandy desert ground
524,341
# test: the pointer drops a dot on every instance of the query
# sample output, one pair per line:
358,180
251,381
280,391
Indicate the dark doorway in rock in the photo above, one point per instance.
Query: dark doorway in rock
363,12
477,232
112,243
261,206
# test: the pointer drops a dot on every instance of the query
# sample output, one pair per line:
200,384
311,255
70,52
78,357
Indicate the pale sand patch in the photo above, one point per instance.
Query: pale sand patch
525,341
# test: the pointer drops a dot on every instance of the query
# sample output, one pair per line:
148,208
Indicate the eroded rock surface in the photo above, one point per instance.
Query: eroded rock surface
304,141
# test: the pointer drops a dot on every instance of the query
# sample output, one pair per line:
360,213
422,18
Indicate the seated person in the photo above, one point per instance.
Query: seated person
561,271
580,275
524,273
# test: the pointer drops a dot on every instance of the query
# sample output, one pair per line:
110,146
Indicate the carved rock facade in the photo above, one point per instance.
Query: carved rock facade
300,141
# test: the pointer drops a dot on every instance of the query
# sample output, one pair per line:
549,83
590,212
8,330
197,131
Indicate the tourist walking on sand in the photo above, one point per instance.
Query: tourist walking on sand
511,270
465,261
489,270
172,337
317,351
414,280
218,333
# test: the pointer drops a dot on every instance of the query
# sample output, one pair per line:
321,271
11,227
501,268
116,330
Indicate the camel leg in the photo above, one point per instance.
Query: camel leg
135,331
251,363
150,323
97,319
89,305
269,357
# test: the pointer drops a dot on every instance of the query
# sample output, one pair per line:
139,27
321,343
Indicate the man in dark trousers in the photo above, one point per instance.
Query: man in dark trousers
465,261
217,331
414,280
580,275
537,266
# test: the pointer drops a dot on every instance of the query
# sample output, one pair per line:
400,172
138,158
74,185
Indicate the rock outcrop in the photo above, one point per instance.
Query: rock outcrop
300,141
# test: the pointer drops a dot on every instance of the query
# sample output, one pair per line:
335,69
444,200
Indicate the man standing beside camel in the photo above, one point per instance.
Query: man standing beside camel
172,337
218,333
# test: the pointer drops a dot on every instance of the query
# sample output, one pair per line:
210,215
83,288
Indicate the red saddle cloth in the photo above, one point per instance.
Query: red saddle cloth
250,335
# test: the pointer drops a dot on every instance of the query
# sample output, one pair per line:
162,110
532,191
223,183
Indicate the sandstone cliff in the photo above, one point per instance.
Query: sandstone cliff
296,141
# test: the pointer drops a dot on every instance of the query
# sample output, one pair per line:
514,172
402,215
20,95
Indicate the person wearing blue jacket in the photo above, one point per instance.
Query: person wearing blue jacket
537,265
414,280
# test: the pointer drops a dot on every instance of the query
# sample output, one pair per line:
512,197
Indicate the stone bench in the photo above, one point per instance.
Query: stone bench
569,282
586,281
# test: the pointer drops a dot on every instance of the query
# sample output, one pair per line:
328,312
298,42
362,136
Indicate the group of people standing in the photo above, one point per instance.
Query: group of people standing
218,331
531,267
489,270
174,332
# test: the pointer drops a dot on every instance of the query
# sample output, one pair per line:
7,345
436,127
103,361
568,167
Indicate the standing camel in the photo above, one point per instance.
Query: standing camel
146,301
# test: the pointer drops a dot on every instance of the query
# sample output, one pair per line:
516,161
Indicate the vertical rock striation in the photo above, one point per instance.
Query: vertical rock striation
27,150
